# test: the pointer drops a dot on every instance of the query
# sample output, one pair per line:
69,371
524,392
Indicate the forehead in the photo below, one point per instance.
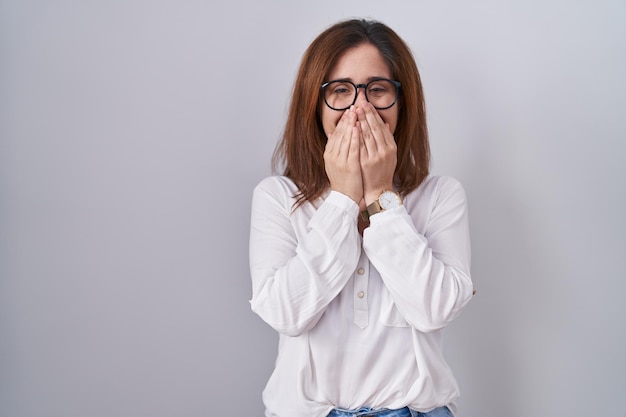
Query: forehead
360,63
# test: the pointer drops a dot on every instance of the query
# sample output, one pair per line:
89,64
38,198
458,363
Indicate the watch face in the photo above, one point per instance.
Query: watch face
389,200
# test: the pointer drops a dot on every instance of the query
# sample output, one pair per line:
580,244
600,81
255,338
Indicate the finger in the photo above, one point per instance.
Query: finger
336,137
366,131
376,124
355,145
362,146
388,134
345,142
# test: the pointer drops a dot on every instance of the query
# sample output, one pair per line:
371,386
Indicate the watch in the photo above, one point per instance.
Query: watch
386,200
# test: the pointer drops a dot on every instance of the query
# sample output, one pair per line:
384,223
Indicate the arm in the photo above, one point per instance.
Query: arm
427,275
297,273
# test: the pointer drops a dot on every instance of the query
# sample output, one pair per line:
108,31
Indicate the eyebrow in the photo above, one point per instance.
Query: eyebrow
368,80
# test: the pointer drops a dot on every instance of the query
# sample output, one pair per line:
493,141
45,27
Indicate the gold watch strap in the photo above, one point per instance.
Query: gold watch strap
374,208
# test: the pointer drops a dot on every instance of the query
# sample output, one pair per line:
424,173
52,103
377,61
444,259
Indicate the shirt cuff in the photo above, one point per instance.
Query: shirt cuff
381,216
343,202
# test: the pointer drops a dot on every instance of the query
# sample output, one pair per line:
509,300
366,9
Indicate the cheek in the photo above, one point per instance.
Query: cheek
330,118
390,117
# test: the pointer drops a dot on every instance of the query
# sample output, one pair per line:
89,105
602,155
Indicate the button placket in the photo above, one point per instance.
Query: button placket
361,283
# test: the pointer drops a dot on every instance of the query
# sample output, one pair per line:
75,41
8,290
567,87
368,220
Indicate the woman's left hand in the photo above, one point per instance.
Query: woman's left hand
378,155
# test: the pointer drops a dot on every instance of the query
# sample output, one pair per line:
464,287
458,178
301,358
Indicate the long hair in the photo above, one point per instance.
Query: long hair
300,152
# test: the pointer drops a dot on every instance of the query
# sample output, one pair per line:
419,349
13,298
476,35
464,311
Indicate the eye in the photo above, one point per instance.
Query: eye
378,89
342,89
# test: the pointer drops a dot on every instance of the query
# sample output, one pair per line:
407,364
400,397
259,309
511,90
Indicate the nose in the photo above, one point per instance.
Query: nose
360,94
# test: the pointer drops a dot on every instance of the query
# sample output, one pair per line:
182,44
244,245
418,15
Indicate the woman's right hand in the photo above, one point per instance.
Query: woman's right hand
341,157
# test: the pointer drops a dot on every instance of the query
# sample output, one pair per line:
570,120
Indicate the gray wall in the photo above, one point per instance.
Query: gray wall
131,136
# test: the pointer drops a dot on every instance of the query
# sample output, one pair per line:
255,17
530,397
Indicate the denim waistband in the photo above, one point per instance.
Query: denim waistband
367,412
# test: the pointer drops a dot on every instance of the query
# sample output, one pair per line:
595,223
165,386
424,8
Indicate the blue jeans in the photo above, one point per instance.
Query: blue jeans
402,412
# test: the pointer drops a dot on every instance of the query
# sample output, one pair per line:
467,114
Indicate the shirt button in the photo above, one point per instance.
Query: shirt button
361,294
360,271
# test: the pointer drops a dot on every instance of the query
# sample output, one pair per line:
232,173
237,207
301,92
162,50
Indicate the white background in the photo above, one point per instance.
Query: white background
132,133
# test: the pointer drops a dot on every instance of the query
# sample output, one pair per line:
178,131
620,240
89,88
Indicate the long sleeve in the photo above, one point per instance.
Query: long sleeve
299,259
424,261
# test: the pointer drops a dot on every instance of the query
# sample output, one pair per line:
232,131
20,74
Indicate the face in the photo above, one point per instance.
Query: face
359,65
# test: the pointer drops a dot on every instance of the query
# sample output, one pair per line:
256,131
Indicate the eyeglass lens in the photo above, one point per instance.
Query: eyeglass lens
340,95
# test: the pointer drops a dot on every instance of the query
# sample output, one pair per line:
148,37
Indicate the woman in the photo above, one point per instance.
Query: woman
358,257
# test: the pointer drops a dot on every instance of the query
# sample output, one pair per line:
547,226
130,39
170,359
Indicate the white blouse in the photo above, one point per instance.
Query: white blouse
359,318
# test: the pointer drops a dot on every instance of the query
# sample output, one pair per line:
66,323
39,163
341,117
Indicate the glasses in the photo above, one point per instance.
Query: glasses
380,92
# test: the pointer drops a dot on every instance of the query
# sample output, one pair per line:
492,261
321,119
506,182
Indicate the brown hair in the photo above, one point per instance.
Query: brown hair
301,150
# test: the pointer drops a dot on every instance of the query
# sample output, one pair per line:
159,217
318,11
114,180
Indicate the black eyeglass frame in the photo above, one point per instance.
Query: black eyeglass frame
356,92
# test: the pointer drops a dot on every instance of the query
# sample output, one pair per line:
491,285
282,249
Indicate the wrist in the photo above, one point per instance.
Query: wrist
372,195
354,196
386,200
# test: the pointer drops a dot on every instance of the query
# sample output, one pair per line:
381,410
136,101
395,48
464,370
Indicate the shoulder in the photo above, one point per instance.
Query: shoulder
277,183
436,192
434,186
278,188
435,197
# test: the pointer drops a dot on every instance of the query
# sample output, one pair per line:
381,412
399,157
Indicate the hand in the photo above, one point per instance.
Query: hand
379,153
341,157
